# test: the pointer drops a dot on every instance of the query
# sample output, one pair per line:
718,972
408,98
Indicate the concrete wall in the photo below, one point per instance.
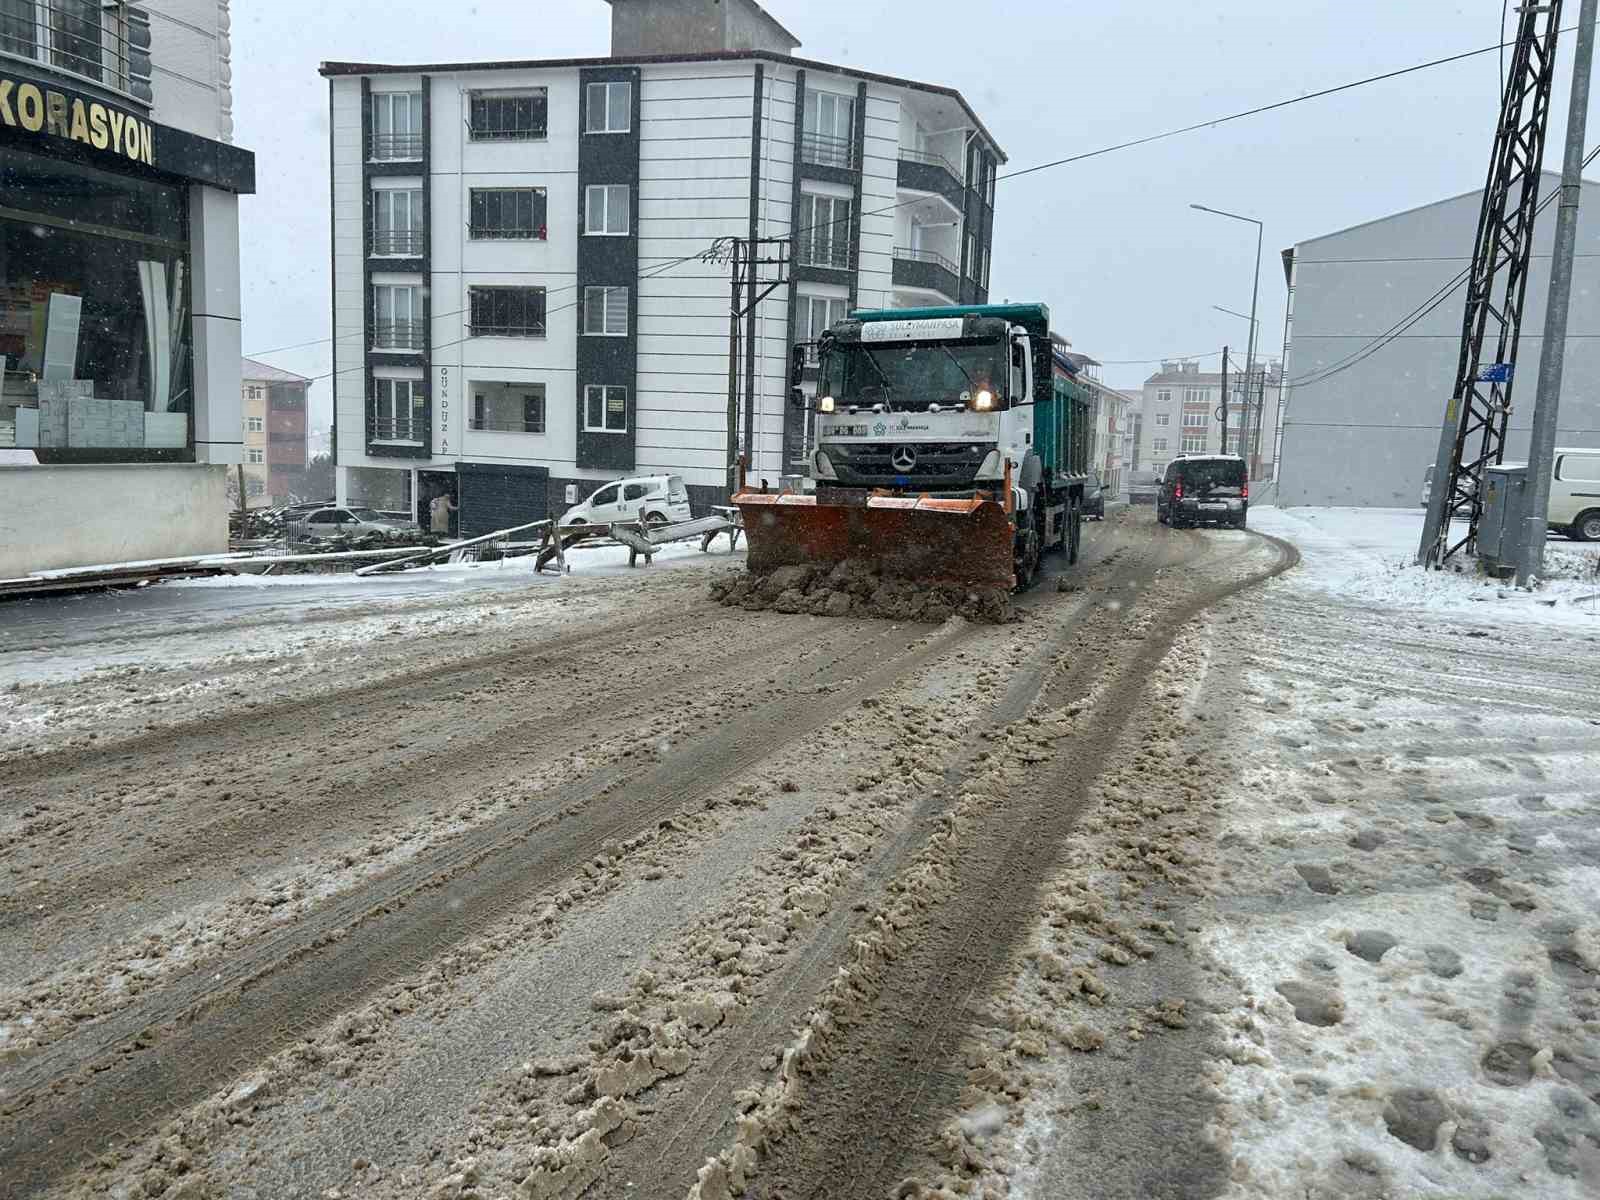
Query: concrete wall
83,515
1364,436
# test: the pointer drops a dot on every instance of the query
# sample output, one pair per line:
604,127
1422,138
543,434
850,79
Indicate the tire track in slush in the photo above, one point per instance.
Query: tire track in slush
184,871
125,1073
892,1072
694,1123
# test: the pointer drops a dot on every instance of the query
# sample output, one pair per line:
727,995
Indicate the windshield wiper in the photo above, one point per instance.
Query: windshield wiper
964,373
888,385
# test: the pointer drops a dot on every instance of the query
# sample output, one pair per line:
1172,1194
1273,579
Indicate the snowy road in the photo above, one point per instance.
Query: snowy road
593,887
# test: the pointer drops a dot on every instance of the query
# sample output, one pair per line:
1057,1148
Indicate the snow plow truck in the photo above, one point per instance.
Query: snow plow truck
951,447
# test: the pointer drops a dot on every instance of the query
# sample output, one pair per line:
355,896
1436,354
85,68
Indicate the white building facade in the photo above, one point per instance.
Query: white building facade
523,308
1372,359
119,281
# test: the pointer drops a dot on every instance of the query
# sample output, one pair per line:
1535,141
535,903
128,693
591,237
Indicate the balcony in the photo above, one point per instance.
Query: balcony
825,150
392,147
924,171
406,430
107,42
400,335
928,271
397,243
830,252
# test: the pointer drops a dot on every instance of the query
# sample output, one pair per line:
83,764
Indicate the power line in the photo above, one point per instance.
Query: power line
1088,154
1361,354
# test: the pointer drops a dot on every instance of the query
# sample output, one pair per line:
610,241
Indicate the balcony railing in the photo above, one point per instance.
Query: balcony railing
491,425
928,158
388,146
395,429
400,335
927,270
927,256
406,242
87,38
831,252
827,151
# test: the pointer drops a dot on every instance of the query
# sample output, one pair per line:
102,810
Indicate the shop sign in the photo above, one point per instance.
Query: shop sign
27,106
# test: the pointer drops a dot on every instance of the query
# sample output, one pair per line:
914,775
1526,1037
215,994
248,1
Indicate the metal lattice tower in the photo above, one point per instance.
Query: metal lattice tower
1474,430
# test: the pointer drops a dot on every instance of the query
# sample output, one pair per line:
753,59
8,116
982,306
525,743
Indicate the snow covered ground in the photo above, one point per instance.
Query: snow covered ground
1365,555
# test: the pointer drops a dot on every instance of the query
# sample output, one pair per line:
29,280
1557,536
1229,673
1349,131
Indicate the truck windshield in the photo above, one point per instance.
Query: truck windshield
909,376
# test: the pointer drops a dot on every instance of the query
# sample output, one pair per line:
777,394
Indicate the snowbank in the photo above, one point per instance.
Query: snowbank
1365,555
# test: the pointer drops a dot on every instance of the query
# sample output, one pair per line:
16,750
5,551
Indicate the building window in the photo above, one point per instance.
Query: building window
1193,445
397,317
1163,418
509,116
605,408
605,311
994,172
396,414
969,264
513,214
984,277
608,107
1164,396
1158,445
605,209
86,37
829,136
1196,420
397,221
506,311
396,125
255,456
508,407
254,425
1196,396
255,392
823,238
817,313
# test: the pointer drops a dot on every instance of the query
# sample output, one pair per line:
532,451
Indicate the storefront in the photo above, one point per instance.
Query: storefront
119,329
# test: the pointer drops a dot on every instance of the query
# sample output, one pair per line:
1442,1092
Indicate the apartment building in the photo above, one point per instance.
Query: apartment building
1108,415
523,305
119,331
273,406
1178,415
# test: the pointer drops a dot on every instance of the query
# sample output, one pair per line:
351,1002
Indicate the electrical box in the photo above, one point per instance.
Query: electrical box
1500,527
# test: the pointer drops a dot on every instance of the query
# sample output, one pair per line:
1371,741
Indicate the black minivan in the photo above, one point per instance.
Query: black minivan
1202,488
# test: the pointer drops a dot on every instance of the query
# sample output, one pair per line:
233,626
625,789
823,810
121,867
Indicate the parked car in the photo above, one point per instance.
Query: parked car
1575,493
653,499
1204,488
354,523
1094,498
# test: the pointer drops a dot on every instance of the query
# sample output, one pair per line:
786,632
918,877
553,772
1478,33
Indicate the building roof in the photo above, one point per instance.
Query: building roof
788,33
331,68
260,372
1210,378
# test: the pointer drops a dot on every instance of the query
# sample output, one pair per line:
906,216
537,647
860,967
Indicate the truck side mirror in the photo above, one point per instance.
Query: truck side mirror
797,398
797,363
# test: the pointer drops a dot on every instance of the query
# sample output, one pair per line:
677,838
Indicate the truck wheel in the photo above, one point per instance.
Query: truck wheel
1074,533
1029,549
1587,527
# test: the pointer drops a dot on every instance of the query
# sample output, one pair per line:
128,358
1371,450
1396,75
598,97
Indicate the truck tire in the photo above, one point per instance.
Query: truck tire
1074,532
1587,527
1029,547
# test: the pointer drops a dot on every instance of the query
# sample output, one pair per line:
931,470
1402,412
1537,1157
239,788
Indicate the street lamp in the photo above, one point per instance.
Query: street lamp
1255,280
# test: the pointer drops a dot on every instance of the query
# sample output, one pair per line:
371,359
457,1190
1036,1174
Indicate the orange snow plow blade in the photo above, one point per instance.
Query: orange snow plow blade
963,542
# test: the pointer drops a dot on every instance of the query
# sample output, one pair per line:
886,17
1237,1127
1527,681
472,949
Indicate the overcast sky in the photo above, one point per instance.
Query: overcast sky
1129,271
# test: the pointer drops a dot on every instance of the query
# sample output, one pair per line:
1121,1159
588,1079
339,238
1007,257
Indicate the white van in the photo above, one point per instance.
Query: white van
653,499
1575,493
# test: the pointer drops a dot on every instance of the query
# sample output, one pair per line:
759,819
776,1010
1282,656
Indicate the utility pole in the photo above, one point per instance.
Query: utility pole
1547,402
746,257
1222,409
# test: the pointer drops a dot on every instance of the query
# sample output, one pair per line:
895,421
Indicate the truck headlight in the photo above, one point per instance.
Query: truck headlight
825,404
983,401
821,466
